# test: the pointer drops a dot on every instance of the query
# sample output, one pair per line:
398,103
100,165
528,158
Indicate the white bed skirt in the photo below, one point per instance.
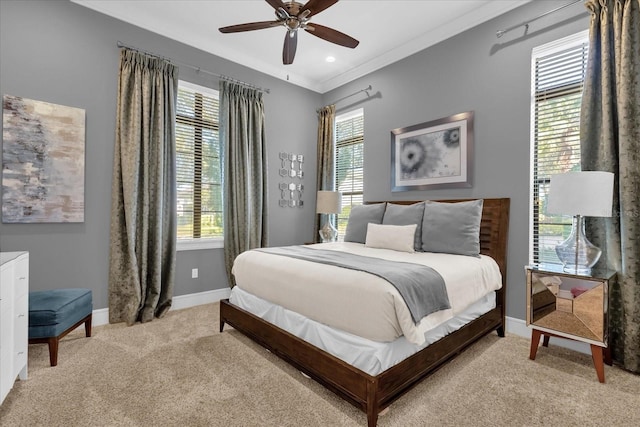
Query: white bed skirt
369,356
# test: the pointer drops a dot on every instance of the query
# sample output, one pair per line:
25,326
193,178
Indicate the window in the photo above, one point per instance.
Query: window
198,168
349,163
558,72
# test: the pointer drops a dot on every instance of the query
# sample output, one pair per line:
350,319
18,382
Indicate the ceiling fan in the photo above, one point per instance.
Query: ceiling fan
294,16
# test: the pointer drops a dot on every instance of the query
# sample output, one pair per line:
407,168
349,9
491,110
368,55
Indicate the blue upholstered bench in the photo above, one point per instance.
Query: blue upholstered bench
53,314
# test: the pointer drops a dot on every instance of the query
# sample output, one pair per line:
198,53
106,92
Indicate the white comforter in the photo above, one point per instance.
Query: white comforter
358,302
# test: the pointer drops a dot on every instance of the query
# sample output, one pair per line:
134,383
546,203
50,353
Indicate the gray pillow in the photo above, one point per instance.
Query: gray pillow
406,215
359,218
452,228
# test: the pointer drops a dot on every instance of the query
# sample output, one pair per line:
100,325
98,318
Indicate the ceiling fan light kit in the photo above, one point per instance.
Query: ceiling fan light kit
294,16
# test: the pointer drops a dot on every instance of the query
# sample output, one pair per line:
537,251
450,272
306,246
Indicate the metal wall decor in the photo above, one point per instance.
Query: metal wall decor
291,192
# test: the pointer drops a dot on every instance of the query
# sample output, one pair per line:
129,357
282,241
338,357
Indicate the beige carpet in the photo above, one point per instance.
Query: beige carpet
179,371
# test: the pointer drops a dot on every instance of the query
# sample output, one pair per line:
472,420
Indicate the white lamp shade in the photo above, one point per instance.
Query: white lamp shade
581,193
328,202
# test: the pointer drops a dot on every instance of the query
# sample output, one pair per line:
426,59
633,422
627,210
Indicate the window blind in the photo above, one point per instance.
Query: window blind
198,163
349,163
558,76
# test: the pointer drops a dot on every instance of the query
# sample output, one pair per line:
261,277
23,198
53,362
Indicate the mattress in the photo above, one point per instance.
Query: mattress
372,357
360,303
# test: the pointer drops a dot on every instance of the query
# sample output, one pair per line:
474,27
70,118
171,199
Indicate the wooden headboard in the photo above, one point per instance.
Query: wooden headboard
494,229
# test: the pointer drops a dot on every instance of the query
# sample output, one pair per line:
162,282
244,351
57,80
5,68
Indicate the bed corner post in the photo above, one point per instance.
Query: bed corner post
503,230
372,402
501,300
222,317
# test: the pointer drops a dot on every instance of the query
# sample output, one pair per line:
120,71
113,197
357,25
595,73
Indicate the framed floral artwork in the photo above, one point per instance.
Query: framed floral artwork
433,155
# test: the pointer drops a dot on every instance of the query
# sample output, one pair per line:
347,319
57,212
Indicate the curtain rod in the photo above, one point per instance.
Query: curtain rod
500,33
198,69
366,89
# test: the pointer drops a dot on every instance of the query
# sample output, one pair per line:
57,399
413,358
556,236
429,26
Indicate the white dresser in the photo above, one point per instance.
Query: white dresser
14,318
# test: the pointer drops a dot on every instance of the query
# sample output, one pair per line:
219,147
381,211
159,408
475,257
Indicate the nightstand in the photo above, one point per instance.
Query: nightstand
570,306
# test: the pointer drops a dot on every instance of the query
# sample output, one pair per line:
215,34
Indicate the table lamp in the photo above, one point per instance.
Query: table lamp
580,194
328,203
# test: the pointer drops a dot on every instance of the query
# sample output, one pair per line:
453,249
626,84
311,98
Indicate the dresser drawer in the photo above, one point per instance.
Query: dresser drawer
21,322
5,363
6,288
14,315
21,277
19,361
6,350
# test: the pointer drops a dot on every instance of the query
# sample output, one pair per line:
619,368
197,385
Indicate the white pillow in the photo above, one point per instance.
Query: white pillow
394,237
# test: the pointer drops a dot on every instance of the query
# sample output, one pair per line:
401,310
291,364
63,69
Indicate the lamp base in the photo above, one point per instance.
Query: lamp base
328,232
577,254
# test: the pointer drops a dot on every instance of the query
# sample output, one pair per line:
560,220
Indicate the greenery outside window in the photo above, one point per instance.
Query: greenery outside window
558,72
349,164
198,168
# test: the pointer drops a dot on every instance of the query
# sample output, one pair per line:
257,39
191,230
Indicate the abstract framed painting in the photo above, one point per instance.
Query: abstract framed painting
433,155
43,155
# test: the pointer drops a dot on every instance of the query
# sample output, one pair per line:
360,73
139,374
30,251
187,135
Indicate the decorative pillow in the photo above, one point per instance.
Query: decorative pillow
395,237
452,228
406,215
360,216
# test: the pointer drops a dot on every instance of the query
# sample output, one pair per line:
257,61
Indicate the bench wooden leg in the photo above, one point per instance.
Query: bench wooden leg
87,326
53,350
54,341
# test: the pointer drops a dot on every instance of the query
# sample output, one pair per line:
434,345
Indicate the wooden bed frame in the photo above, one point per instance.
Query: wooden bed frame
370,393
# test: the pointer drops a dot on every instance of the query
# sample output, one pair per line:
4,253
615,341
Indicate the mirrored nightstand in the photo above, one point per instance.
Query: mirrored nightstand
571,306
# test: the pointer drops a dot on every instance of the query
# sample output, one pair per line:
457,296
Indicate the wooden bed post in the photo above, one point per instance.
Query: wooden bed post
372,402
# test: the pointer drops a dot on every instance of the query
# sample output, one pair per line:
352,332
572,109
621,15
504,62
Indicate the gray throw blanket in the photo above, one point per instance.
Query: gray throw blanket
422,287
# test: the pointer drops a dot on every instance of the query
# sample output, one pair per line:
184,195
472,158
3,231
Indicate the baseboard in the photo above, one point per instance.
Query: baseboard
101,316
207,297
519,327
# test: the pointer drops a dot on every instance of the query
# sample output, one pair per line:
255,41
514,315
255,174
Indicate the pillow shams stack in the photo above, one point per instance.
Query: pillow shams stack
443,227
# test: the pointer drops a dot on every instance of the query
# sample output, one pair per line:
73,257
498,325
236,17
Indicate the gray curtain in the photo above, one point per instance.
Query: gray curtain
245,171
610,141
143,195
325,173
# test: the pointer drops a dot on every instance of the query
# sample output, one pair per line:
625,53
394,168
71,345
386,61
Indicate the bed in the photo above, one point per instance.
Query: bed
374,389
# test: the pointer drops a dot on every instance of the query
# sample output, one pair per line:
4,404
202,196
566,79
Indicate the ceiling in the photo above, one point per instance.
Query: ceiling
387,30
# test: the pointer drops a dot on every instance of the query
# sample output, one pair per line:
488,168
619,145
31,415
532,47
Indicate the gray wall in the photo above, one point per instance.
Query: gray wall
63,53
472,71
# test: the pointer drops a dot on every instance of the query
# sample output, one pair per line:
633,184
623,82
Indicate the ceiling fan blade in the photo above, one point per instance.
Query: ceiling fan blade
316,6
289,49
331,35
250,26
276,4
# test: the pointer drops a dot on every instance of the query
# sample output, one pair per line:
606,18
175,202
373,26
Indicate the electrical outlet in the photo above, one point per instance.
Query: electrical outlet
194,273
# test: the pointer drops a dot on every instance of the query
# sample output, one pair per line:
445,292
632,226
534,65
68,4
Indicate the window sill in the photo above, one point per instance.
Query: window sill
198,244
